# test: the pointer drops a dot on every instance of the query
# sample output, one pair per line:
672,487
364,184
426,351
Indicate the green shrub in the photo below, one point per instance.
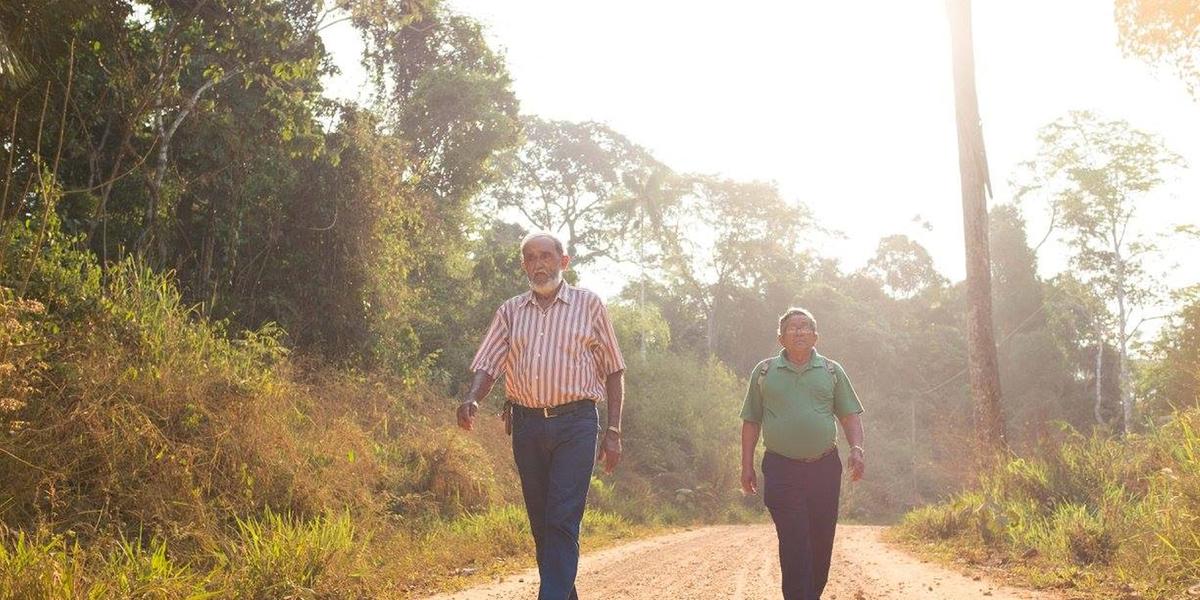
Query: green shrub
136,571
682,463
151,452
1020,479
605,525
505,528
280,555
40,565
938,522
1117,512
1085,539
439,470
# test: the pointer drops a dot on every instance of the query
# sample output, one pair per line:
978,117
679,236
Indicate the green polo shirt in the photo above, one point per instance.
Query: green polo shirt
798,407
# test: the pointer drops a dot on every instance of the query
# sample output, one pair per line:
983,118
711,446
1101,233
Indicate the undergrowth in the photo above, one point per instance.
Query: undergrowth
1100,514
148,451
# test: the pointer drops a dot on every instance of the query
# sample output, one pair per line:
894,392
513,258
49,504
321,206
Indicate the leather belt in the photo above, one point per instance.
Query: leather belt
814,459
550,412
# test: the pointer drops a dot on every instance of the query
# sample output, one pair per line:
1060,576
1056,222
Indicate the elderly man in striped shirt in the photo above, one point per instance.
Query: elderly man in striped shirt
558,352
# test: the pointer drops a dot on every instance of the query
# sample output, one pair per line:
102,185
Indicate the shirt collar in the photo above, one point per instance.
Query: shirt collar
815,360
564,295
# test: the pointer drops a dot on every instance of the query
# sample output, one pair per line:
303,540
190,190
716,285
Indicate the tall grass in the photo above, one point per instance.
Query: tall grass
280,556
49,566
1096,513
149,452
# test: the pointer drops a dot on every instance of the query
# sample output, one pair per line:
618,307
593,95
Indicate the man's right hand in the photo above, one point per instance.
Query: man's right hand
749,482
466,414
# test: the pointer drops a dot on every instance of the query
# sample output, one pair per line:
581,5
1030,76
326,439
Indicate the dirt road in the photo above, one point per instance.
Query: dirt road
739,562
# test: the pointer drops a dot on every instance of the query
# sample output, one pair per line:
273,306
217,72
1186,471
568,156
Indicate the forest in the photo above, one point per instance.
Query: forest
238,314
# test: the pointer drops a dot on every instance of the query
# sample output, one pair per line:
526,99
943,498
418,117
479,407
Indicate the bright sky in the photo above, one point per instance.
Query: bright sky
848,106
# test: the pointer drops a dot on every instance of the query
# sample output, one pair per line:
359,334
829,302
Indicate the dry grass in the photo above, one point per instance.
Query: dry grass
154,455
146,451
1100,515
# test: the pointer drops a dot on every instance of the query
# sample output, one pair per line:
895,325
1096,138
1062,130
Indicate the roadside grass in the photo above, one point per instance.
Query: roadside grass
149,452
1097,514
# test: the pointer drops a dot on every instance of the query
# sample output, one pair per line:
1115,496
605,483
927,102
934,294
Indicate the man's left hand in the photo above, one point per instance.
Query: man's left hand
610,451
466,414
856,466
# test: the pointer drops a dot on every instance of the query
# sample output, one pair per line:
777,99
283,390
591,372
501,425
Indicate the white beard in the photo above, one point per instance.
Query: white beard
547,288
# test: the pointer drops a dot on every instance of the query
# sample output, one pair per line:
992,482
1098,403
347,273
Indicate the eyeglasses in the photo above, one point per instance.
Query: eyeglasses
800,329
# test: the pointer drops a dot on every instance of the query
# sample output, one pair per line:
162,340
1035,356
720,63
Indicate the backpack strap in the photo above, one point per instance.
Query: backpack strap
765,366
832,370
762,369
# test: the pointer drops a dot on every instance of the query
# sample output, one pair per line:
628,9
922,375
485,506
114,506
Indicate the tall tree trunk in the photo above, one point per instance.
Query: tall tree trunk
982,364
642,278
710,332
1123,382
1099,377
1123,385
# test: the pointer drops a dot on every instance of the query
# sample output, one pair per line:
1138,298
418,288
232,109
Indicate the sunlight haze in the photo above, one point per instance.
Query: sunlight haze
847,107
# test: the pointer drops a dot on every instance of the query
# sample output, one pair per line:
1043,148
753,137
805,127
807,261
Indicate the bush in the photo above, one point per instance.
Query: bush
281,556
1086,540
1122,512
142,436
40,565
940,522
132,570
151,452
683,439
46,565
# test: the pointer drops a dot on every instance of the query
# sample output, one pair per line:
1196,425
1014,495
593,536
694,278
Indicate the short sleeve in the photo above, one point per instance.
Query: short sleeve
752,405
845,400
494,348
606,351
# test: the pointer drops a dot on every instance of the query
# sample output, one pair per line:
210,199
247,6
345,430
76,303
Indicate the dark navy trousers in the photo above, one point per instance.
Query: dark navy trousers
554,457
803,501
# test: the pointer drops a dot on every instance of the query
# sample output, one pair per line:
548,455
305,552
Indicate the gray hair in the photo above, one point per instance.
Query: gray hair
532,235
793,311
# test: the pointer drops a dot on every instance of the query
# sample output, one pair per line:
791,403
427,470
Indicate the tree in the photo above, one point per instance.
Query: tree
447,98
1172,379
178,113
982,365
1092,174
1036,370
1165,33
445,93
342,267
35,34
723,238
904,267
196,136
581,179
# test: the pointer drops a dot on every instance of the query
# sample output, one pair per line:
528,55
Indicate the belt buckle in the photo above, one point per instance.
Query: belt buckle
546,412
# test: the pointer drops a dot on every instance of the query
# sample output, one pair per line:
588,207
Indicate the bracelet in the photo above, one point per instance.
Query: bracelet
859,448
614,429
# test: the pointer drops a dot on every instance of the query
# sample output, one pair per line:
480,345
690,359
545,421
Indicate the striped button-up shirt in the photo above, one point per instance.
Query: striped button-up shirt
552,356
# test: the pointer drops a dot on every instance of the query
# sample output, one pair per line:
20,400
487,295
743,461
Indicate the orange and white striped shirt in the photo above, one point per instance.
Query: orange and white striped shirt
552,356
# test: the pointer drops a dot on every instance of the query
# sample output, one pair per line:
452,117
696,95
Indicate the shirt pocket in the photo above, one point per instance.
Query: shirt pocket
574,343
779,397
819,388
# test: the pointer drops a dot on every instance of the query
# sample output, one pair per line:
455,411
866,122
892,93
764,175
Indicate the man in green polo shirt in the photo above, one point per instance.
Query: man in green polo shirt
795,400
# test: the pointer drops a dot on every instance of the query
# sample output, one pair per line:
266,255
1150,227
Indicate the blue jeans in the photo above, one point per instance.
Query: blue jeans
554,459
803,501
